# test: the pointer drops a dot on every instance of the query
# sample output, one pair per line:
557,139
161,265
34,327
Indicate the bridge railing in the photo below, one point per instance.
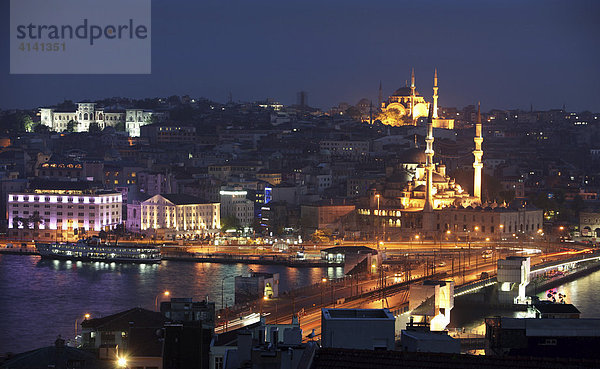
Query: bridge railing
474,286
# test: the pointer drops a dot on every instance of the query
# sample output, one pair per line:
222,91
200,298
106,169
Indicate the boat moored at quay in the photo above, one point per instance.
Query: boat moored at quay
91,249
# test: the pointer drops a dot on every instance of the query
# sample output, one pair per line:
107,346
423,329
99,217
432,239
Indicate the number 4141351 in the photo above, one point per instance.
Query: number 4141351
42,46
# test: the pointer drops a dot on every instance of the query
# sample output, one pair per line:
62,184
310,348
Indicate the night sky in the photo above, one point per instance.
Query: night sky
508,54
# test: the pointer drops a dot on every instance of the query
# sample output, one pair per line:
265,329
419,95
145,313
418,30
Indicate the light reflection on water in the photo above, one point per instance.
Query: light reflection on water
40,299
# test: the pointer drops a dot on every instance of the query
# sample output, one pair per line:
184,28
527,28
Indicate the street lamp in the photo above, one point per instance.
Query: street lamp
122,362
165,294
85,317
323,281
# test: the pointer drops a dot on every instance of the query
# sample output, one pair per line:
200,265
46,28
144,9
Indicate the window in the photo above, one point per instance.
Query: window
107,338
218,362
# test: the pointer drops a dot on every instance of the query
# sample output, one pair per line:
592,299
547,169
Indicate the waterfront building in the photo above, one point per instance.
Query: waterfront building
57,210
548,338
367,329
356,259
235,204
178,215
589,223
324,214
256,286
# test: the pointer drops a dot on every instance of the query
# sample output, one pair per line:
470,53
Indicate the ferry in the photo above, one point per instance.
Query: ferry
91,249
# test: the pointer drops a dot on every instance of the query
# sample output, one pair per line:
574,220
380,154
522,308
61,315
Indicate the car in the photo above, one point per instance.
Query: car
9,245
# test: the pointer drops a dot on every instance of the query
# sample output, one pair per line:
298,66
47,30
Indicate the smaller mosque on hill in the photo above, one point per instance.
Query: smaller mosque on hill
417,195
405,106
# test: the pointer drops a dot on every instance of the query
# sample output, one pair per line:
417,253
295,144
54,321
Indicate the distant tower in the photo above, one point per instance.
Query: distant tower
435,94
302,99
478,154
429,163
380,100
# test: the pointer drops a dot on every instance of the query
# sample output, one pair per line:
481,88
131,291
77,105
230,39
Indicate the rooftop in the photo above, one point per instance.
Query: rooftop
551,308
123,320
333,358
182,199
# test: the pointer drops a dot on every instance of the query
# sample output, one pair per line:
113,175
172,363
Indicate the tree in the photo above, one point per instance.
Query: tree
577,205
120,127
27,123
41,128
71,126
118,232
102,235
94,127
230,222
321,235
353,112
34,220
16,222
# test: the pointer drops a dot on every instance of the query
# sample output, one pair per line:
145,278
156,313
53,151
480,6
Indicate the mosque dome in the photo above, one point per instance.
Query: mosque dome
363,102
420,188
401,176
412,156
404,91
438,178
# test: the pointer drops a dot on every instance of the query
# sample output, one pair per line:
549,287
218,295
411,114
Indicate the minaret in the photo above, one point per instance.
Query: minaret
429,163
435,94
412,94
379,106
477,153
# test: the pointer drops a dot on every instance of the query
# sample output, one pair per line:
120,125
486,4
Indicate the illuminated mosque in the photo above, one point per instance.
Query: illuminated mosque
405,106
417,195
418,185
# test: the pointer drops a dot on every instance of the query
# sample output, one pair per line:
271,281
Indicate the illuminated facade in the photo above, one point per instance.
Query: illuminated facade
178,215
419,195
405,106
235,204
87,113
60,214
478,154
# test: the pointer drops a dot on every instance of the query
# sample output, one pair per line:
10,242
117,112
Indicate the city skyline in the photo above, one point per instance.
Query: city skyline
513,55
